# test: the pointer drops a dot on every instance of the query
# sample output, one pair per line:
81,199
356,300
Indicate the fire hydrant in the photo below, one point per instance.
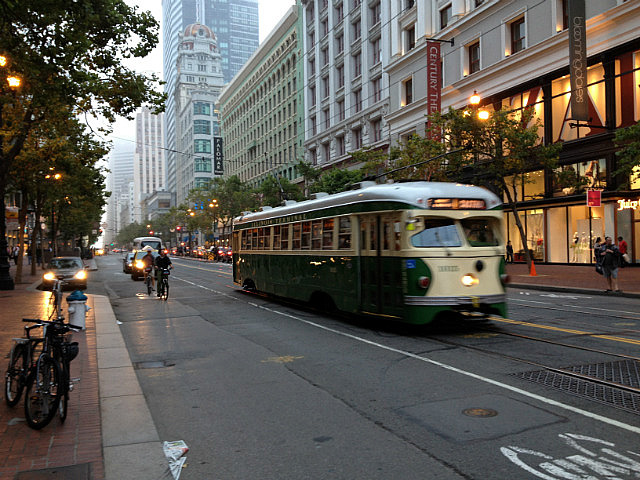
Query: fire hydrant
77,308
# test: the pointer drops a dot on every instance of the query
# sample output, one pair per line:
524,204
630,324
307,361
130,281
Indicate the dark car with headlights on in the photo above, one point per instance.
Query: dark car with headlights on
137,267
127,262
71,270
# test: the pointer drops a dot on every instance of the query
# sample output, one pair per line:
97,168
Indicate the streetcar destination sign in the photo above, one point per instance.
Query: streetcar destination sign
456,204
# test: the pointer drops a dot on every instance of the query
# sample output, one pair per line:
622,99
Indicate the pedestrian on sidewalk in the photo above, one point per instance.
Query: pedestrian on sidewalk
509,252
16,254
596,250
610,260
30,254
622,246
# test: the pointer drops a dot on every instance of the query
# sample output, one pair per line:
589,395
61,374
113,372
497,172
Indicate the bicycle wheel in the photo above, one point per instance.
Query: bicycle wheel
63,406
42,396
13,383
165,289
148,281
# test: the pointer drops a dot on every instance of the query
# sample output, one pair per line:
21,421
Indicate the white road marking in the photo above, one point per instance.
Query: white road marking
540,398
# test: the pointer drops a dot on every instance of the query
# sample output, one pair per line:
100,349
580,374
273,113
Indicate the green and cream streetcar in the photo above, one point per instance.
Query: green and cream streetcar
407,251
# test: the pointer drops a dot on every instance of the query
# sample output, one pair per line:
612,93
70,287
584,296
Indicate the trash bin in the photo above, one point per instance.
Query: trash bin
77,308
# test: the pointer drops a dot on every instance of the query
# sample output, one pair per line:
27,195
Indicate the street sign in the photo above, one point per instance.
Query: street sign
218,168
594,198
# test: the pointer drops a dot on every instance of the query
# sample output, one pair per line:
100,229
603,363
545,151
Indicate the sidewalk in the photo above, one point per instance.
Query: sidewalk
109,433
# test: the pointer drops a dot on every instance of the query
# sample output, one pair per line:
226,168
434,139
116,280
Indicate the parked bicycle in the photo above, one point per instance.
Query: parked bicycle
163,284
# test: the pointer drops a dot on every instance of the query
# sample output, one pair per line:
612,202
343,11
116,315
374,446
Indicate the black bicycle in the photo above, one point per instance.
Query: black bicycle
20,361
163,284
48,379
147,281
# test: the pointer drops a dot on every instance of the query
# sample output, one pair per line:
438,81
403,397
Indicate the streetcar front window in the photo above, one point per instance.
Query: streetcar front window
437,233
480,232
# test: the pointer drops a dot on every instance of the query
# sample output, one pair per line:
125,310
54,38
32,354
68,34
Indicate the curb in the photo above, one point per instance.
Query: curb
585,291
130,443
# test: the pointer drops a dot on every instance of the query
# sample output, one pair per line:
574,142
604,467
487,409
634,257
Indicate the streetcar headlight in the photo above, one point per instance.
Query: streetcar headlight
140,264
81,275
49,276
469,280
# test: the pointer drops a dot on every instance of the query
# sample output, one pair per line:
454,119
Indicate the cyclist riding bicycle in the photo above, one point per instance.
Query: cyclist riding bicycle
148,264
162,262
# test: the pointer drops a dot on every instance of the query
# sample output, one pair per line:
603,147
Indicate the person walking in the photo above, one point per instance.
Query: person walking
610,261
509,252
622,246
596,250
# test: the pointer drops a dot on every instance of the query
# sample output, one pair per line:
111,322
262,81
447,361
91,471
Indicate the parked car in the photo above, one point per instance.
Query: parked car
137,267
127,262
71,270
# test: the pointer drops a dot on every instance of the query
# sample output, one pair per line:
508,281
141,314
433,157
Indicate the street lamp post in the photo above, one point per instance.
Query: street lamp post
13,82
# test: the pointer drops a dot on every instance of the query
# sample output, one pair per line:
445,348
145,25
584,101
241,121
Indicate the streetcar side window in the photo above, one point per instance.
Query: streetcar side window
297,232
254,239
306,236
479,232
316,234
327,234
284,242
437,233
344,233
276,237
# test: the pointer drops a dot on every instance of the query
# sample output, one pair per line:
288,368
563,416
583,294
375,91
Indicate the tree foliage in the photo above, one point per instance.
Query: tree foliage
628,164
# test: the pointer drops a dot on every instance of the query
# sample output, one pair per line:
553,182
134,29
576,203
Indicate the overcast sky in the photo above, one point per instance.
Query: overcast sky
270,12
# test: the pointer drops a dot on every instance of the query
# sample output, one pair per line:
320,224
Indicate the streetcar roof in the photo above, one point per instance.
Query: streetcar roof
409,194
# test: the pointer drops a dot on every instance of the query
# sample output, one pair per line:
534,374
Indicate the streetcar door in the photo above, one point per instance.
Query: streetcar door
380,275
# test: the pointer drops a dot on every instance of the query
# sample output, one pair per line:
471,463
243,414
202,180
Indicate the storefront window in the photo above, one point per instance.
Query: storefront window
534,185
561,108
557,241
533,223
625,221
529,99
628,89
574,178
584,232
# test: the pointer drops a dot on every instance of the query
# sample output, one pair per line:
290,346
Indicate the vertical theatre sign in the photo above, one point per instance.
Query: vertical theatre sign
218,169
434,77
578,61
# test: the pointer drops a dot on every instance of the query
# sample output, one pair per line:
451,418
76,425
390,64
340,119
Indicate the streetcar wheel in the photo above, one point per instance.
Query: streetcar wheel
13,384
249,286
42,395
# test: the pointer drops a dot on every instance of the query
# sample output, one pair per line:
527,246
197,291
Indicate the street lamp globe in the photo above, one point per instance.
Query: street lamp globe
474,99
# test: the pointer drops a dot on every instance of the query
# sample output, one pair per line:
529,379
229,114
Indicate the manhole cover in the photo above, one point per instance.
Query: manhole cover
479,412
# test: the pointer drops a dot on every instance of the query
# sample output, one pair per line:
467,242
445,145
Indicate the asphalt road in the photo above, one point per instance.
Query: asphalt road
262,389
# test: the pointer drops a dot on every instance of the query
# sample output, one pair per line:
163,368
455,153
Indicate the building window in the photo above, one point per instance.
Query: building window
341,112
340,44
356,30
356,138
340,76
325,87
202,146
326,150
312,96
408,4
201,108
517,35
407,92
409,38
312,39
327,118
375,13
202,127
376,51
376,128
312,67
445,16
376,87
357,100
314,126
357,65
340,148
324,27
477,3
339,13
202,164
325,56
474,57
202,68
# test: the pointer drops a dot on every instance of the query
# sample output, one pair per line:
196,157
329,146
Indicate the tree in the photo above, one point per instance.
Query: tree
336,180
628,163
273,191
496,153
76,62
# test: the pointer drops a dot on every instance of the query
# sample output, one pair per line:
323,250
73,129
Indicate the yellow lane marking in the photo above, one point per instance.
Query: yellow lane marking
284,359
568,330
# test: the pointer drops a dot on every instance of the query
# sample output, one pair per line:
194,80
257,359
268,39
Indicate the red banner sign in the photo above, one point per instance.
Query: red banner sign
434,77
594,198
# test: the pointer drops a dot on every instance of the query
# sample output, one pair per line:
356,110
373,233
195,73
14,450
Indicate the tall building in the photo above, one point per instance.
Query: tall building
262,109
198,86
235,24
120,174
149,163
346,45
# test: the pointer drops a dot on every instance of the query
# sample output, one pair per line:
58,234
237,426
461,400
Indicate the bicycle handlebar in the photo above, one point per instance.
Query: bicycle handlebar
51,322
